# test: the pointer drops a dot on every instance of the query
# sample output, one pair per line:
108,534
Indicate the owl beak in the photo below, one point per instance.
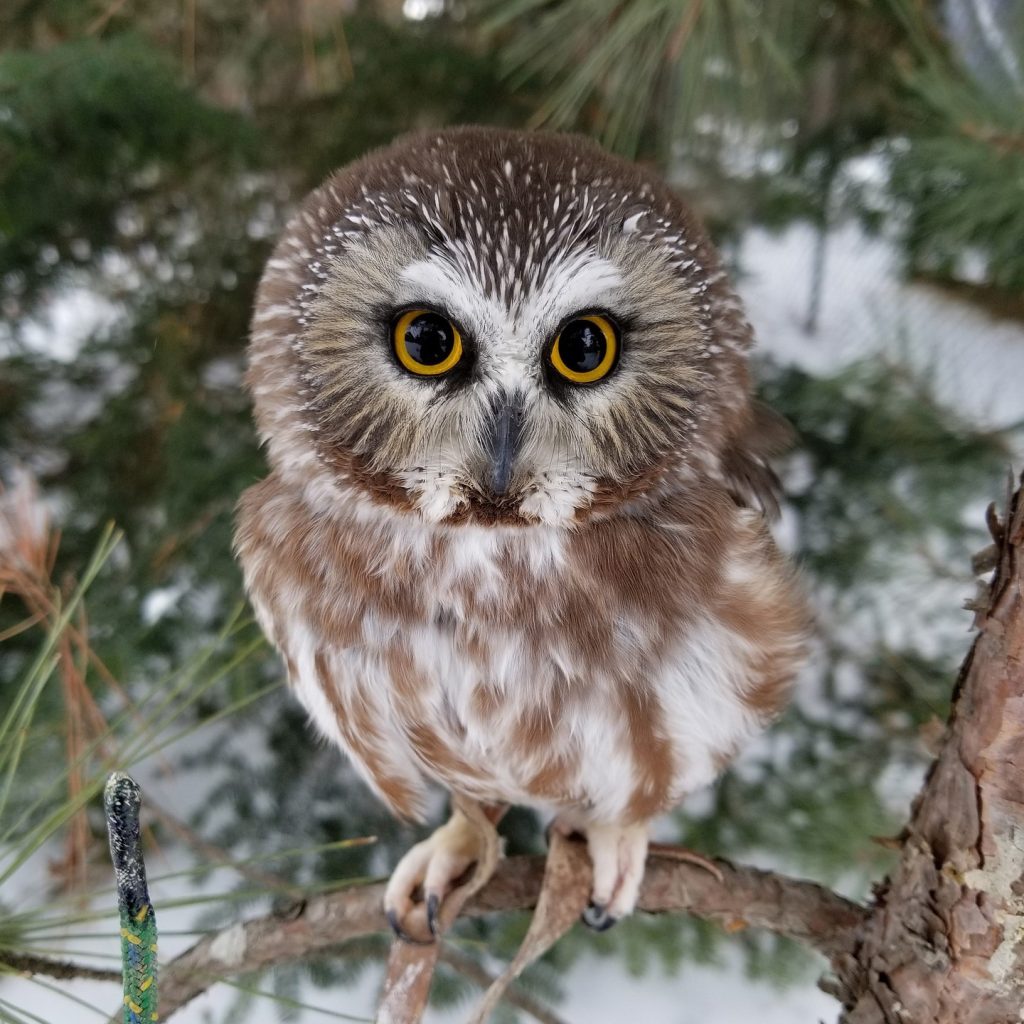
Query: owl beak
506,434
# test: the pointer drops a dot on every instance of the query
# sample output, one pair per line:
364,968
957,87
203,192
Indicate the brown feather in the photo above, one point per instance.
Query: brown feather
605,635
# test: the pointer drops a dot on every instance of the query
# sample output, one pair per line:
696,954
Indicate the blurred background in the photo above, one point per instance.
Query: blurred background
861,164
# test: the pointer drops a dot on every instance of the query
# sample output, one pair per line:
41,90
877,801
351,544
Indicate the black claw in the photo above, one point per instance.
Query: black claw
597,918
433,905
401,933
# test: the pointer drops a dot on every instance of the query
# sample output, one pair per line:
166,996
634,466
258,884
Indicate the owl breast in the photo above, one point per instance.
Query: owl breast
603,672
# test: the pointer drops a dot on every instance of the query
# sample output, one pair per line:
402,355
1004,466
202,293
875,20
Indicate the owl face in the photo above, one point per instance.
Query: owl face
500,327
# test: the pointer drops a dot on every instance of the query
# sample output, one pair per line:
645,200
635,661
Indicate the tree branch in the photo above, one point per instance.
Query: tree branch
29,963
945,940
745,897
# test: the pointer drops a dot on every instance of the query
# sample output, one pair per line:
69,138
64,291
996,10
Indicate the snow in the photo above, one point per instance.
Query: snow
970,357
157,603
70,319
714,994
420,10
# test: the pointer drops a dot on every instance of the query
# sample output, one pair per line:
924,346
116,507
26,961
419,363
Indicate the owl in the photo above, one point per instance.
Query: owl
513,542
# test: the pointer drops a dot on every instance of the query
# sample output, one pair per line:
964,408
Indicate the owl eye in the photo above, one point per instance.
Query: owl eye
426,343
586,349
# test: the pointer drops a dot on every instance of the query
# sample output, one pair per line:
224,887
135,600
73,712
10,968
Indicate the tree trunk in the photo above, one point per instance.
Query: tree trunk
944,941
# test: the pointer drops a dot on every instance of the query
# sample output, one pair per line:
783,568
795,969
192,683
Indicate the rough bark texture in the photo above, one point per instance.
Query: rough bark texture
945,939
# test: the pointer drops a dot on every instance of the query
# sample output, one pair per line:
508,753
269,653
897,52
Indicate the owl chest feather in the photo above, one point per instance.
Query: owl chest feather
604,672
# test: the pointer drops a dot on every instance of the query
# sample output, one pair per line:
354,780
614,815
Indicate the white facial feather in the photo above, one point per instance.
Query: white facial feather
510,339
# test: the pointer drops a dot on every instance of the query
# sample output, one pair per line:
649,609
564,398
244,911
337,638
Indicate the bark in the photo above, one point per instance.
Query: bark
945,939
29,964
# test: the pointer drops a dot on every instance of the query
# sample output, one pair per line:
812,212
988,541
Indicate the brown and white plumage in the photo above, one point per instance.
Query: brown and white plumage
526,590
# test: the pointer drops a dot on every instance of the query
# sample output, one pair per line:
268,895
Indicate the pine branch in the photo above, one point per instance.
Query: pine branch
745,897
943,936
50,967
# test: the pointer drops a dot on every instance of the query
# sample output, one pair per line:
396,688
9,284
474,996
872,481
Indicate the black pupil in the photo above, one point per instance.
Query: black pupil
429,339
582,346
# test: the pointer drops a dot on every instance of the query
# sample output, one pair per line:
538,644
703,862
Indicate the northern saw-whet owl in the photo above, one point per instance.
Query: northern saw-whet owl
513,540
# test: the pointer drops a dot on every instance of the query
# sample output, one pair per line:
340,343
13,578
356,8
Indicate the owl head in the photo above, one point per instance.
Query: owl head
479,325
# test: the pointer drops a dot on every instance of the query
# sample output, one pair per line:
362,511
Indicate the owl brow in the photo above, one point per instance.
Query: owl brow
431,276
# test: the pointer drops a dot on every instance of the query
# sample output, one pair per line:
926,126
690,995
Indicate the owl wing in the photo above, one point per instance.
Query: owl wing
303,582
748,475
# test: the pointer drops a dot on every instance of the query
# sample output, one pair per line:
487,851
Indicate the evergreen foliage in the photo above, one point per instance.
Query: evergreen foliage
960,174
102,130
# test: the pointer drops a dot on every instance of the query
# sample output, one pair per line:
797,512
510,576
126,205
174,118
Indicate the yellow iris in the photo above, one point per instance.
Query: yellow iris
586,349
426,343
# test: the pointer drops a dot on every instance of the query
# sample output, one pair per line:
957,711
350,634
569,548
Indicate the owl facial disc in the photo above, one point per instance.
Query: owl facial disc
500,328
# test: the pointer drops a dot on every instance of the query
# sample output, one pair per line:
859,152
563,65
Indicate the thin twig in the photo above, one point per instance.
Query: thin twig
684,30
188,39
31,964
212,853
99,23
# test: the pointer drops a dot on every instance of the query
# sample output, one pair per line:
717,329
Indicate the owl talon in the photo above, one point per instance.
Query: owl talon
433,906
619,855
401,933
597,918
433,867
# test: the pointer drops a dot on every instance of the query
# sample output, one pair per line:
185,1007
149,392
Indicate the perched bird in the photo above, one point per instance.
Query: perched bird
513,540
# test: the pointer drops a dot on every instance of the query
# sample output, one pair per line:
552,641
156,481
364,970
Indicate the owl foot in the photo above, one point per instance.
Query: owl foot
433,867
618,854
